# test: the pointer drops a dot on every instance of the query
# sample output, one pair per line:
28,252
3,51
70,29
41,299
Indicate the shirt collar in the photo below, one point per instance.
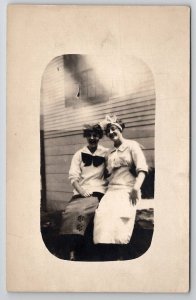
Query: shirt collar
86,150
121,148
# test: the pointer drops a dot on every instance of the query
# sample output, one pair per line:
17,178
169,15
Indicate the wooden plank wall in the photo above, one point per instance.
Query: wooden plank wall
62,128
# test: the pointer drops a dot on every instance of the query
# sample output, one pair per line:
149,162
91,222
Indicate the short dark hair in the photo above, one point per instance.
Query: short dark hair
93,129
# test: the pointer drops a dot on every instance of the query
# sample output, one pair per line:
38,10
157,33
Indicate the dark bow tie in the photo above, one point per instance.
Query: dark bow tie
90,159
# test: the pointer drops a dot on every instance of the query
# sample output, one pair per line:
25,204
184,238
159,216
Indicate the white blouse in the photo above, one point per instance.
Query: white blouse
123,162
90,174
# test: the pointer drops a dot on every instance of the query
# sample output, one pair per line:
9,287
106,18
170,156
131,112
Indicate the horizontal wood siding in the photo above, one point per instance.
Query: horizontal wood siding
131,110
62,126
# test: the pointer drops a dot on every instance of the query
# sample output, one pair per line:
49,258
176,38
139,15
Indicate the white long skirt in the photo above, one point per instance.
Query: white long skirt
114,218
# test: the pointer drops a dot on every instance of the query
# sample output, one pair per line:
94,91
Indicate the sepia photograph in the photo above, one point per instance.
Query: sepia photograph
97,130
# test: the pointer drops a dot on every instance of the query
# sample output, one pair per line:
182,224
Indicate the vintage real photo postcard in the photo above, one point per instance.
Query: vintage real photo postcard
98,148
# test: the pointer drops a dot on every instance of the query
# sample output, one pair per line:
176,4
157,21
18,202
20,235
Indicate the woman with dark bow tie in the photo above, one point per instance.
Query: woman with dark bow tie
87,177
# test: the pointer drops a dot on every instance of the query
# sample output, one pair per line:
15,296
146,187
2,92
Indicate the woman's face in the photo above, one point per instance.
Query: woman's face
92,139
114,133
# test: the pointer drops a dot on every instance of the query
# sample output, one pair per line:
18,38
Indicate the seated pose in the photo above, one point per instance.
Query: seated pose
87,177
115,216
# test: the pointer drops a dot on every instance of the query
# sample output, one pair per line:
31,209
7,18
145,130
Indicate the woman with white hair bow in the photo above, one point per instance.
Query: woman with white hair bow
115,217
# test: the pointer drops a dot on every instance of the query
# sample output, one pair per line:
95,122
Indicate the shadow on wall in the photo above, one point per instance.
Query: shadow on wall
147,188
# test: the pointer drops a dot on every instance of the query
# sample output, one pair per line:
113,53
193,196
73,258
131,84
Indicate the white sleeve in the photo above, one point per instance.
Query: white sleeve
75,168
139,158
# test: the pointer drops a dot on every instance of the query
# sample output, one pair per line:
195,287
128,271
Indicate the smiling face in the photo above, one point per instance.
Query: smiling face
114,133
92,138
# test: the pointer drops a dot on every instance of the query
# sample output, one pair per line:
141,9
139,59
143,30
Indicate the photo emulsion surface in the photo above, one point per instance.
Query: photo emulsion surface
97,133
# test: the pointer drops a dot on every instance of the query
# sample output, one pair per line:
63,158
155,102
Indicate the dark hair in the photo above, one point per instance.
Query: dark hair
93,129
118,121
